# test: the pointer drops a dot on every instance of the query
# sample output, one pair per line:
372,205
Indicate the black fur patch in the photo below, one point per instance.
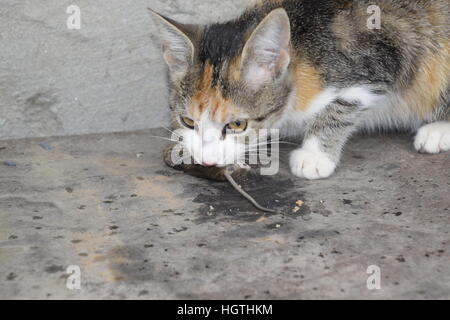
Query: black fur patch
222,42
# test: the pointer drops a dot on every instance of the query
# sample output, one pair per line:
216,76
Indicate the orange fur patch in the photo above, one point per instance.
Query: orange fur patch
435,17
234,69
433,78
309,85
210,98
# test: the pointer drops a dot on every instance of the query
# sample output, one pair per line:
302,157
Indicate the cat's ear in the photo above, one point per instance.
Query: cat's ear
178,47
266,54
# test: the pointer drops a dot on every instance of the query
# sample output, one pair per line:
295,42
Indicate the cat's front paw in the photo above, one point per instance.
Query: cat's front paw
433,138
311,165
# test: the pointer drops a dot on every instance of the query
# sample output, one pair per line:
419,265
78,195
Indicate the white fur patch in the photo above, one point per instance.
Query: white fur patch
362,95
433,138
293,121
310,162
390,113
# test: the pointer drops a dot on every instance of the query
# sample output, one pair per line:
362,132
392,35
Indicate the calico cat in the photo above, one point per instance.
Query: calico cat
312,68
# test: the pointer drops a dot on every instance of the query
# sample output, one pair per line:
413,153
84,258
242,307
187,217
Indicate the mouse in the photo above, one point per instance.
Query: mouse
210,173
221,174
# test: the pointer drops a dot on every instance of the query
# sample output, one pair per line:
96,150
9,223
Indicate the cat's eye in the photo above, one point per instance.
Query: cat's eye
188,122
237,126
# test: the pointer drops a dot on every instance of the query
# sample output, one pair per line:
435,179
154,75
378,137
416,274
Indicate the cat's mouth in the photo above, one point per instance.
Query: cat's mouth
209,165
214,161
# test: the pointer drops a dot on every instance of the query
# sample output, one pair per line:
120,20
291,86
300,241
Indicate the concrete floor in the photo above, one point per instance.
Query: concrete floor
140,230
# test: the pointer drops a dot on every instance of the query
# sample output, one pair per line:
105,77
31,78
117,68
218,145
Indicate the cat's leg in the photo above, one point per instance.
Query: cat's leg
324,140
433,138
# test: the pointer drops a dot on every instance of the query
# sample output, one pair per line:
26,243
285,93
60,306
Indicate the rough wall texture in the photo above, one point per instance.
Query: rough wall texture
106,77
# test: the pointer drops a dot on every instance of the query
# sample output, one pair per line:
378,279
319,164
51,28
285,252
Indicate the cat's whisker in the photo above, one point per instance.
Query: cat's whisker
289,143
285,143
255,153
258,150
174,133
276,142
268,156
164,138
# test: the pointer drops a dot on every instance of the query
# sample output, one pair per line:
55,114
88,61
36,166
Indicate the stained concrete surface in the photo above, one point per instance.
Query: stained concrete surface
136,229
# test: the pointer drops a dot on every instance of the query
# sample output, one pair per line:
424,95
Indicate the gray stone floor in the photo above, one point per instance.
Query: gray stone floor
137,229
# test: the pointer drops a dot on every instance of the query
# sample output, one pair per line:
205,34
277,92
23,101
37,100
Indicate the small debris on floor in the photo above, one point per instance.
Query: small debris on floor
10,164
262,219
299,205
45,146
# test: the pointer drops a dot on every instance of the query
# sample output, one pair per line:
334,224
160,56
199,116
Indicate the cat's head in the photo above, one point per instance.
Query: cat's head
227,81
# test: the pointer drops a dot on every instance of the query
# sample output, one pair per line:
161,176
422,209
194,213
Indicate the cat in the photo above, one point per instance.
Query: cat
310,68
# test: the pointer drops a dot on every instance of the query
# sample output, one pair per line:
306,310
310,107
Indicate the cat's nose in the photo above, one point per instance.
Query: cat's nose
209,164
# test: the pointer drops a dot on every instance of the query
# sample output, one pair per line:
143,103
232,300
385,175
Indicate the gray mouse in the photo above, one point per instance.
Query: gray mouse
221,174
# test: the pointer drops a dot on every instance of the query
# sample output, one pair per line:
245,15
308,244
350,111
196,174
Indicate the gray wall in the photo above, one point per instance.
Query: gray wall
106,77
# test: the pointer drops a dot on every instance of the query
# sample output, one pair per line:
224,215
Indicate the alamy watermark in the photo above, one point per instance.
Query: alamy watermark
374,279
74,280
74,19
374,21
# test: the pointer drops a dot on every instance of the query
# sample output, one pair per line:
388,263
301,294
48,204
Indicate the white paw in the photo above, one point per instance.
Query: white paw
433,138
311,165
